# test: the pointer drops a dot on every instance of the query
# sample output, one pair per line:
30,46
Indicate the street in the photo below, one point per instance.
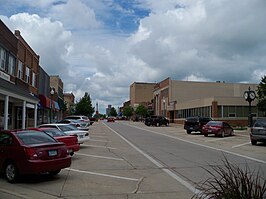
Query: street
129,160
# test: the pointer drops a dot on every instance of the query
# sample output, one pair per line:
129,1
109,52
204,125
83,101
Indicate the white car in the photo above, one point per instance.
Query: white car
70,130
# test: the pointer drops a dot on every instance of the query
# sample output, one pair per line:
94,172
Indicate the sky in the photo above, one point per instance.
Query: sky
102,46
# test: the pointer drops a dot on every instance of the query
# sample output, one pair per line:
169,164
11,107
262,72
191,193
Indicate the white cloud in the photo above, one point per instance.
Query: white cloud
196,40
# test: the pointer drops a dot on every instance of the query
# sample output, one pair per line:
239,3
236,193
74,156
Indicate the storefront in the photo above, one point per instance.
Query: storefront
18,108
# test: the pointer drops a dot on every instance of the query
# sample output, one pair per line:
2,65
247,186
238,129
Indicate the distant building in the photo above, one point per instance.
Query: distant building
58,97
70,103
219,100
141,93
108,110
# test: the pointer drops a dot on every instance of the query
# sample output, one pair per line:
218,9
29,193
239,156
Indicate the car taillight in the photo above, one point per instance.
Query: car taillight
31,154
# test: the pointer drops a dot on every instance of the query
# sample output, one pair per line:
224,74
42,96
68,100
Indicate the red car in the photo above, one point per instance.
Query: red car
111,119
218,128
70,141
29,152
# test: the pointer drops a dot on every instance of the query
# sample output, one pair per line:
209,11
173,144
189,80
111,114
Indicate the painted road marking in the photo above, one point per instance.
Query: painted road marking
97,156
209,147
103,174
241,145
159,165
105,147
98,140
98,136
218,139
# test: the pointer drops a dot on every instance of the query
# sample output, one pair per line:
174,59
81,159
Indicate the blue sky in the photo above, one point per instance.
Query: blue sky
103,46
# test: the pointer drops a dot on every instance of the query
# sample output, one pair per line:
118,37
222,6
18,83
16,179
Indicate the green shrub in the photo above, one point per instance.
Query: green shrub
229,181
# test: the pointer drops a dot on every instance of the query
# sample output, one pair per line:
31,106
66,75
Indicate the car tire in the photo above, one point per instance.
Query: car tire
11,172
188,132
53,173
253,142
222,135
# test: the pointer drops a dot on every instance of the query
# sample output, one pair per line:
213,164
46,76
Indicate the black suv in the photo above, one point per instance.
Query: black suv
258,131
195,123
156,121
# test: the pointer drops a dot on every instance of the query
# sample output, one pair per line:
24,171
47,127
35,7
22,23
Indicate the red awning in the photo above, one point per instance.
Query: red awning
45,101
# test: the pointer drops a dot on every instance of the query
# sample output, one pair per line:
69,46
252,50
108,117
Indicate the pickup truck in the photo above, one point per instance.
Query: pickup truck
155,120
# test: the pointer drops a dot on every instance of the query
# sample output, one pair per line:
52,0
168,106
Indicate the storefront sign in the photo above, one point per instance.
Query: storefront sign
4,76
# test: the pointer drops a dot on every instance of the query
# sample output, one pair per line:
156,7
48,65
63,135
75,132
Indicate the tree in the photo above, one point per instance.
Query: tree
141,110
113,112
84,106
262,95
128,111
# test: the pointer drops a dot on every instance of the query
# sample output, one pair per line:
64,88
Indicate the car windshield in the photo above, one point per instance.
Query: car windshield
34,137
67,127
54,132
215,123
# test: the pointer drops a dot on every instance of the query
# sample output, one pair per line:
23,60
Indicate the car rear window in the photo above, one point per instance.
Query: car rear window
215,123
34,137
260,123
54,132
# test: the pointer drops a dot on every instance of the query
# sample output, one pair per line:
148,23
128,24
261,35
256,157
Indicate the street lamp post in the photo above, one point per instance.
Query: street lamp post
51,94
249,96
164,114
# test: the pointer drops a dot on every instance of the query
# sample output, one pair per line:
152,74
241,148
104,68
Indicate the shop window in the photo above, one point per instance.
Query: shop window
231,115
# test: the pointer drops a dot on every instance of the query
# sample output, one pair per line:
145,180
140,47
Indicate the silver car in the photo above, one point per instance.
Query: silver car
258,131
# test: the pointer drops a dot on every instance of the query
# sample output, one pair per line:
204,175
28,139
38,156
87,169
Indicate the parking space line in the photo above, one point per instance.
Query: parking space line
241,145
98,136
98,140
104,175
215,140
97,156
105,147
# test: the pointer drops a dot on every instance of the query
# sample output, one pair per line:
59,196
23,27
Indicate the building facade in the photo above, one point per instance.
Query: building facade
141,93
219,100
18,90
70,103
57,97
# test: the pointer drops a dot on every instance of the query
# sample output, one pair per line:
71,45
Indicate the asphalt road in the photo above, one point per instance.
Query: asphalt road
130,160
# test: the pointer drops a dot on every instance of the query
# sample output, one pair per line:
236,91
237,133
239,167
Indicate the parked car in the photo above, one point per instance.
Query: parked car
155,120
77,123
258,131
110,119
70,141
69,130
195,123
30,152
218,128
82,118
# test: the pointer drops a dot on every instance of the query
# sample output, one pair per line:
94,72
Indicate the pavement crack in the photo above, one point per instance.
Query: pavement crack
138,185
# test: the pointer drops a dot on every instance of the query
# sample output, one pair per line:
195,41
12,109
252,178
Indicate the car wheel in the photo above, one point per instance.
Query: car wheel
188,132
222,135
253,142
53,173
11,172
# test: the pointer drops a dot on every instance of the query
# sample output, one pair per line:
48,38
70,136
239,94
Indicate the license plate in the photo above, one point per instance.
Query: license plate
81,136
52,152
209,131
